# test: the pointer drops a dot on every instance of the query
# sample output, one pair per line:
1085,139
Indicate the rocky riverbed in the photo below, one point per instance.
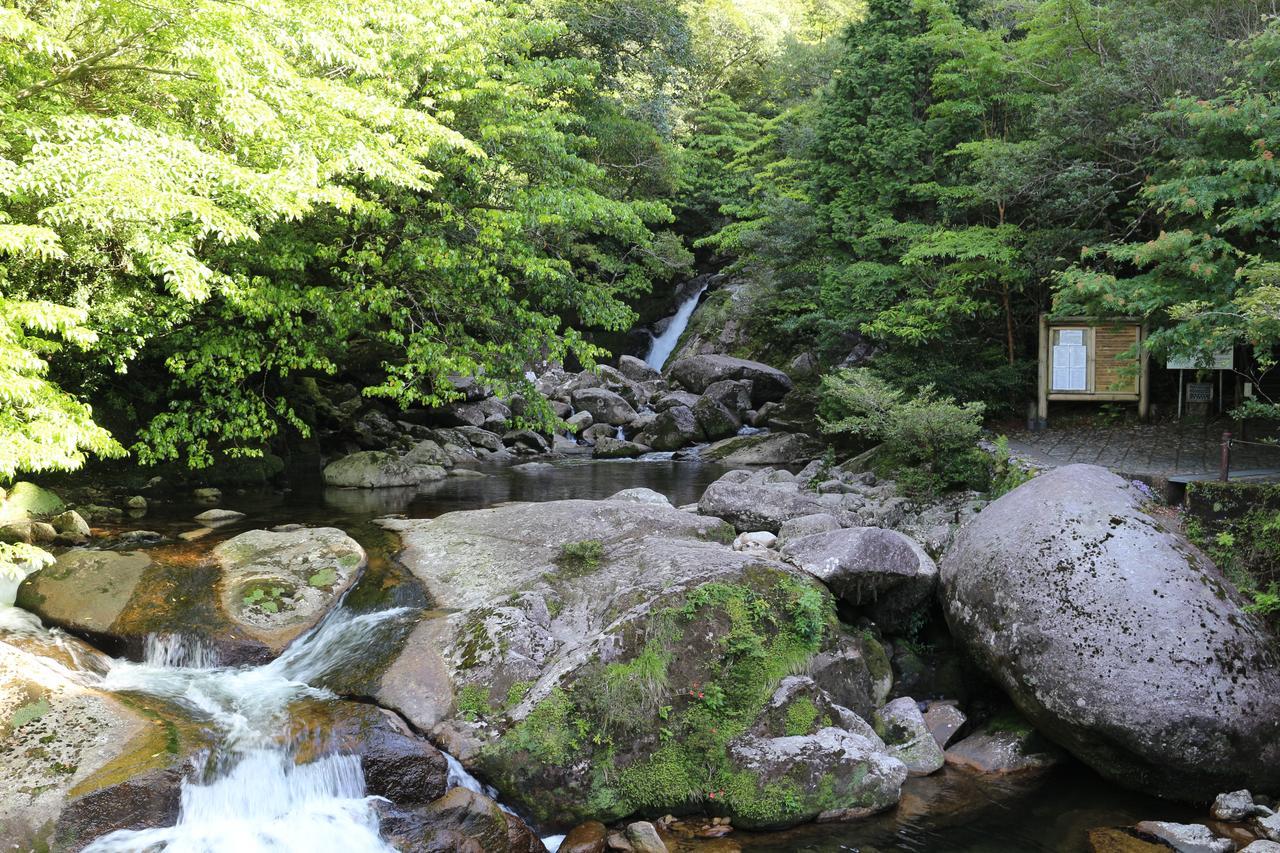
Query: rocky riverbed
663,653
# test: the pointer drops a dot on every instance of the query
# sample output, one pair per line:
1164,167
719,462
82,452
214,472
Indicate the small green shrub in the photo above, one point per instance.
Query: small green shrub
1006,473
473,702
580,558
1247,550
929,440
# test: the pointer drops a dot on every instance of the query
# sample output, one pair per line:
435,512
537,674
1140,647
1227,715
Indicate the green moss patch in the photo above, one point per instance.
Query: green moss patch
577,559
268,596
648,732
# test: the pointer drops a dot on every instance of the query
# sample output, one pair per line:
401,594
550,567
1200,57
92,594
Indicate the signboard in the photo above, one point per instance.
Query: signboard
1224,360
1070,361
1199,392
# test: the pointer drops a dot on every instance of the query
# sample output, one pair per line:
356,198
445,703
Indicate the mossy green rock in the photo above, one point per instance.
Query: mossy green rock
86,590
27,500
276,585
378,469
639,684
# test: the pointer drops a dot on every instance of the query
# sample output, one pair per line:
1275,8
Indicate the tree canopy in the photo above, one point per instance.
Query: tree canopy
207,208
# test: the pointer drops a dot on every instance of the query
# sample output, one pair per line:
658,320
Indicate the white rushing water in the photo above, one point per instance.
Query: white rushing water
258,799
660,349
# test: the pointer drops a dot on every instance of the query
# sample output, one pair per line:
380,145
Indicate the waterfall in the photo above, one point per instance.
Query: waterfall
266,802
660,349
258,799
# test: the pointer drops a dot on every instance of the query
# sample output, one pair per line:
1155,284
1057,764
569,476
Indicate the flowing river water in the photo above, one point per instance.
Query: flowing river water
254,795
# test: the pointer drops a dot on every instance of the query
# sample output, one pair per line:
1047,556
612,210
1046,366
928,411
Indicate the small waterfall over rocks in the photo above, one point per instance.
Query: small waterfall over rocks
663,345
258,799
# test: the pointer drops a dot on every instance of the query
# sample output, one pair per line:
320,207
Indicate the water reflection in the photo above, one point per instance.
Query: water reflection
683,482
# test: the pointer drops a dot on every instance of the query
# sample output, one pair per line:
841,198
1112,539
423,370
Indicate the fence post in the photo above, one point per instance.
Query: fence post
1224,470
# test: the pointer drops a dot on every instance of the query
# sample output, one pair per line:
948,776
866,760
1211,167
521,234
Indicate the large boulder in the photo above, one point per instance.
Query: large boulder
1116,637
378,469
882,571
605,406
715,419
85,591
675,398
27,500
733,394
672,429
596,659
636,369
767,448
617,448
697,372
275,586
757,503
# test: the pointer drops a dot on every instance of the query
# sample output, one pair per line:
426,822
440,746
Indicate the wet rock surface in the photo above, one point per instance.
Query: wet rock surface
276,585
1116,637
76,763
85,590
1009,747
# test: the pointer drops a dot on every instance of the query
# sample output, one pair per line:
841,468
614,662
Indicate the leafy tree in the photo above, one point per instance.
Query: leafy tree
1210,275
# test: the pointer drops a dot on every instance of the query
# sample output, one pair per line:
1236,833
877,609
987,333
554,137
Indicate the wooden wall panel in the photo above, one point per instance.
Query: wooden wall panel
1113,363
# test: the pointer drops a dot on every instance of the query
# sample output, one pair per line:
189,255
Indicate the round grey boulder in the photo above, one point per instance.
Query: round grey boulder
1116,637
378,469
275,586
672,429
882,571
697,372
605,406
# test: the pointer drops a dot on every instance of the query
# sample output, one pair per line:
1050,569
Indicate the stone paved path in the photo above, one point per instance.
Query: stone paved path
1160,449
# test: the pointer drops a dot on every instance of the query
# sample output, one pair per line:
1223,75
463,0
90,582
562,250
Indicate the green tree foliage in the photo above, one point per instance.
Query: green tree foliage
930,199
227,199
1210,274
927,440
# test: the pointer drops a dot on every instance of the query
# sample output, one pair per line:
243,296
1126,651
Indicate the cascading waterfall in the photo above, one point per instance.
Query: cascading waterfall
662,346
258,798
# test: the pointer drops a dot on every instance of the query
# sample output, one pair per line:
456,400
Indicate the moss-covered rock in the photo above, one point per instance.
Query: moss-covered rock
641,680
27,500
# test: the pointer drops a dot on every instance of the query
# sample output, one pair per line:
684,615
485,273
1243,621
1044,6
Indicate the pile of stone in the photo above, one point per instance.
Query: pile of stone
749,410
633,409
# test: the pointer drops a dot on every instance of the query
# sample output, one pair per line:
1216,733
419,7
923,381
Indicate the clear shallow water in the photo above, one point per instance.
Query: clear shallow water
951,812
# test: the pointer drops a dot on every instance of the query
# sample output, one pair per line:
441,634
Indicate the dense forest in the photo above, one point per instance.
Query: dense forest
207,208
